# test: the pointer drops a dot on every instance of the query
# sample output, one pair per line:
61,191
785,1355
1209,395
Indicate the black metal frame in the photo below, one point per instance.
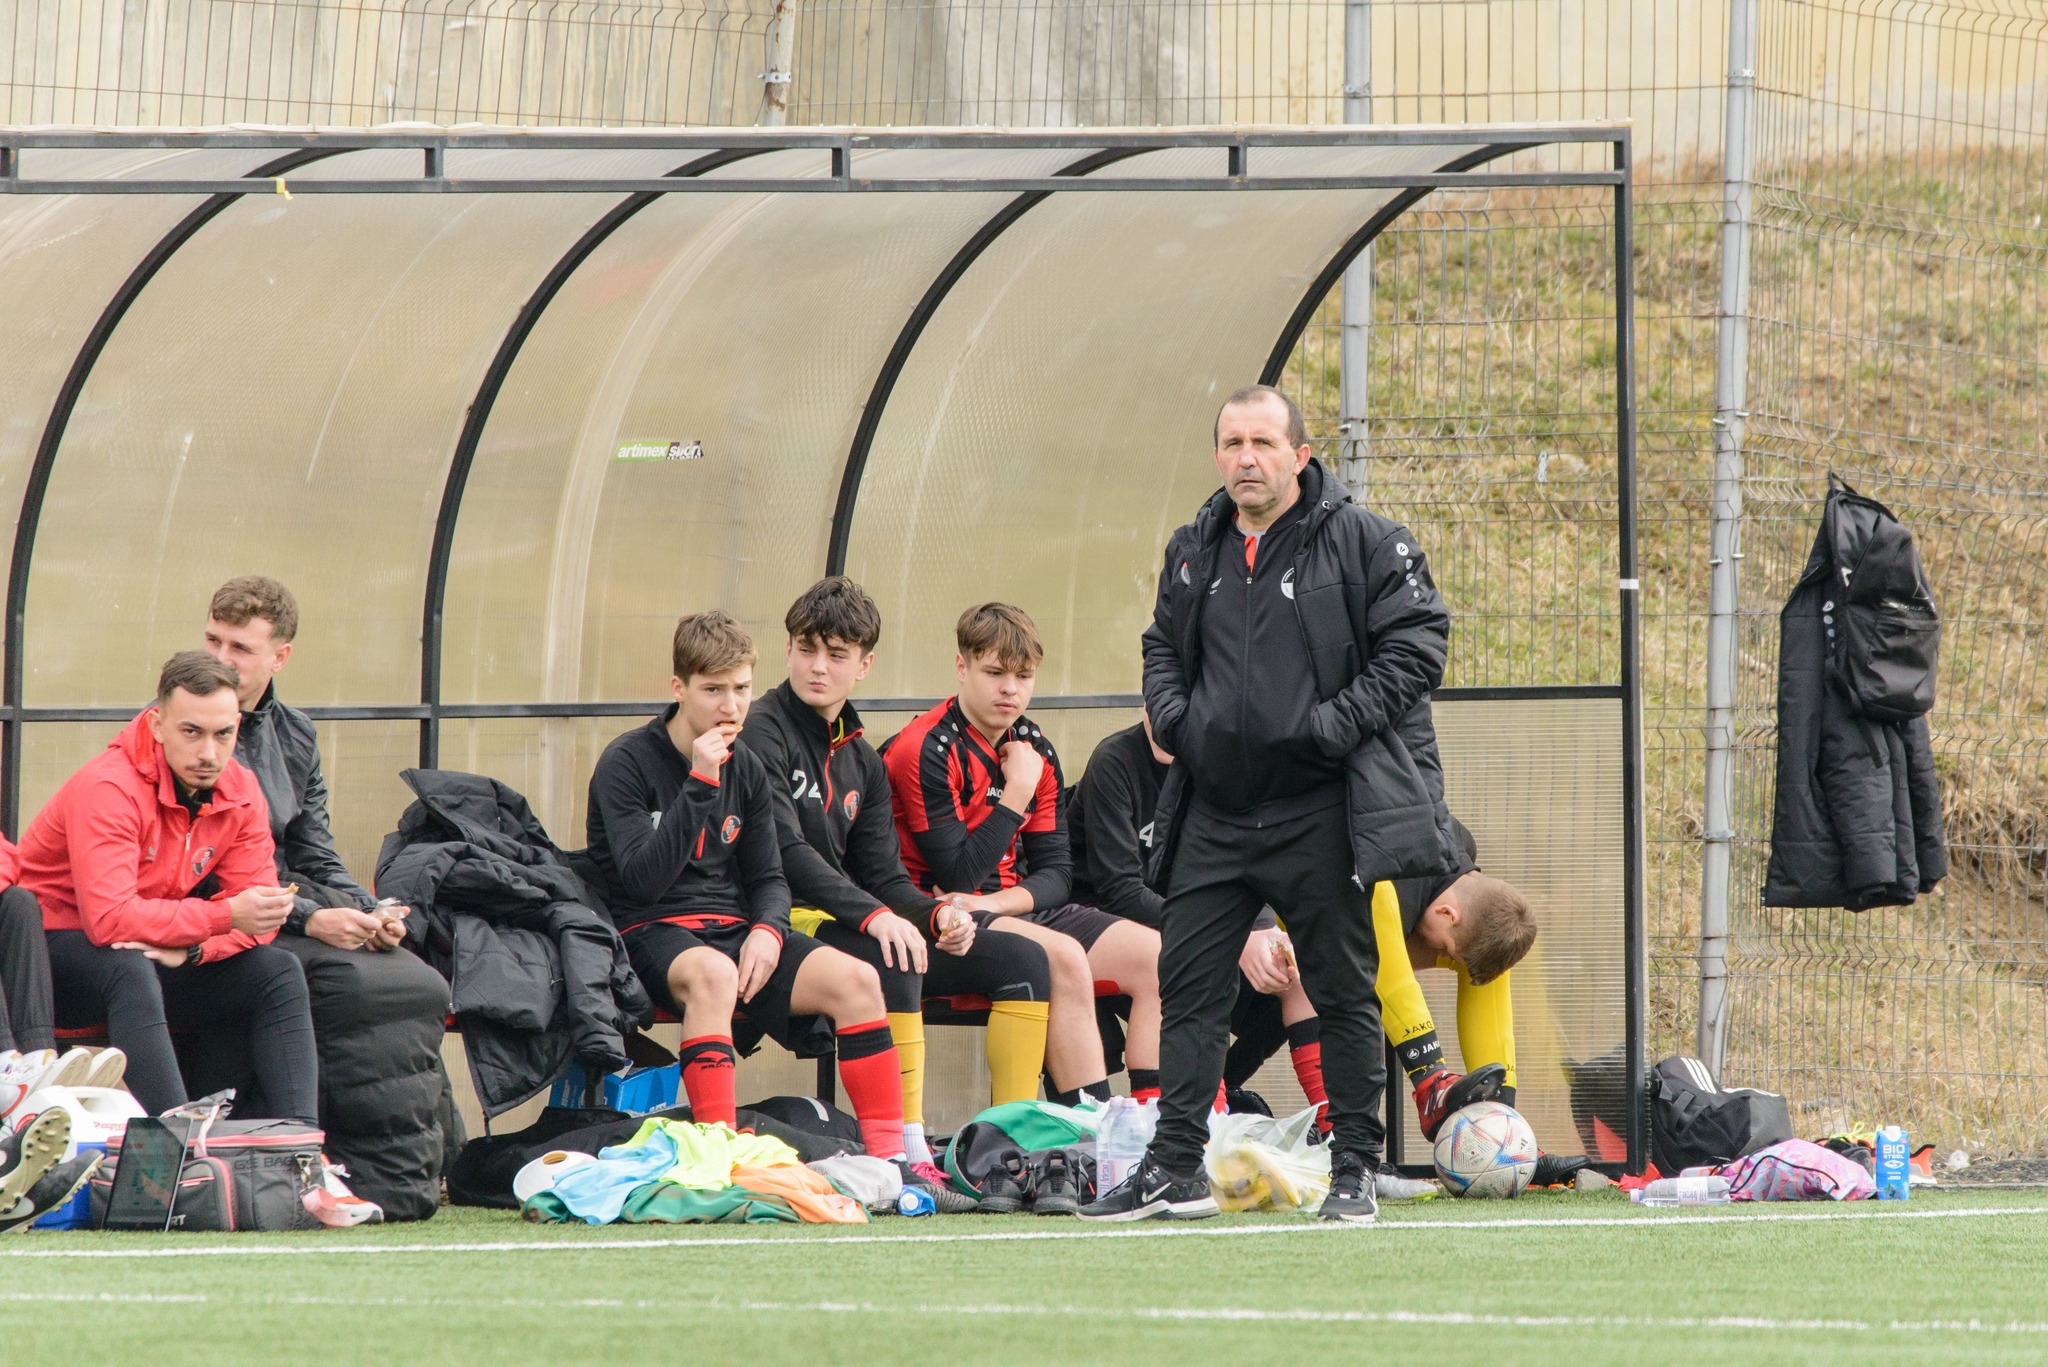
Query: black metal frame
843,149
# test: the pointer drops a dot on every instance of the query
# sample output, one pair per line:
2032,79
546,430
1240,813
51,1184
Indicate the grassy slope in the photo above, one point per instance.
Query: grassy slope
798,1294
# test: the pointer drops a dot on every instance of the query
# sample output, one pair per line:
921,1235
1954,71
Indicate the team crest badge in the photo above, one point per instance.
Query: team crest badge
199,864
851,804
730,831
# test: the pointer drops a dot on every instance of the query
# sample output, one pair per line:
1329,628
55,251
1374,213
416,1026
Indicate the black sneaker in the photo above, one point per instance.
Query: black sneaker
52,1191
1053,1191
1352,1197
1155,1193
1004,1190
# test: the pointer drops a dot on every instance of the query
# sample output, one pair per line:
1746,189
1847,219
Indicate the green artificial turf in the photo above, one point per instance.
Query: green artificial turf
1438,1282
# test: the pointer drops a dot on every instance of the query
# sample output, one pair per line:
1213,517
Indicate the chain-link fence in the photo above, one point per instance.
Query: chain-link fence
1897,263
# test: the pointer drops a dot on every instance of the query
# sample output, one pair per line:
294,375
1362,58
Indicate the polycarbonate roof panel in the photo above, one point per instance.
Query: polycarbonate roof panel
61,259
283,399
1054,423
673,434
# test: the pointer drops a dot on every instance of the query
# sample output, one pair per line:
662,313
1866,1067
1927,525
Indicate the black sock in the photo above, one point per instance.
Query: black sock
1099,1090
1144,1079
1419,1055
1303,1033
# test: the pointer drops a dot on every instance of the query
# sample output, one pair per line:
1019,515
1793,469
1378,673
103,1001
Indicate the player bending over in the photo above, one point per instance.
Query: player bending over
682,825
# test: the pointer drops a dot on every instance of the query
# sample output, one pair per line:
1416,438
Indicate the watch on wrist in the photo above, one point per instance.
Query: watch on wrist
195,955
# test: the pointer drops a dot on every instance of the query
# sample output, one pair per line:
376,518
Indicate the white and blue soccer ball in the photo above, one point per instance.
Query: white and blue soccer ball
1486,1150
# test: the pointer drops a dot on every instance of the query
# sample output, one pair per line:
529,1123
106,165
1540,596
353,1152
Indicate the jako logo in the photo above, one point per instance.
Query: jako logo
730,831
851,804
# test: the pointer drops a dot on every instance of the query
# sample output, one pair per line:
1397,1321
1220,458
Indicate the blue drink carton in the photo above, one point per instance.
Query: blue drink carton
1894,1164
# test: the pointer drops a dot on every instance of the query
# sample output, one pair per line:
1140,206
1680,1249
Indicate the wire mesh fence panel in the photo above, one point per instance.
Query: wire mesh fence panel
1899,273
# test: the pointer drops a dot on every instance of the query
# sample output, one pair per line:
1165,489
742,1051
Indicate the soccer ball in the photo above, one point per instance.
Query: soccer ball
1487,1149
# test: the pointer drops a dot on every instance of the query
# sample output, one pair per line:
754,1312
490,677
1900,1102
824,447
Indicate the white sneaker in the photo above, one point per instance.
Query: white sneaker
334,1205
32,1153
109,1067
1393,1186
19,1075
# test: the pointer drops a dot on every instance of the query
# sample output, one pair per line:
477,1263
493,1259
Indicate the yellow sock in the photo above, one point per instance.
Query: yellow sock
1016,1050
1403,1011
906,1028
1486,1023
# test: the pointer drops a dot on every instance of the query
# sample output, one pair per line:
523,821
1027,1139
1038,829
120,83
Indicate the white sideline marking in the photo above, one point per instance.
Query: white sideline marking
1858,1211
1197,1314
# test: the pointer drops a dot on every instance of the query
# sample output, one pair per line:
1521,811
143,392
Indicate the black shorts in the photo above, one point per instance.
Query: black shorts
1083,923
999,967
653,947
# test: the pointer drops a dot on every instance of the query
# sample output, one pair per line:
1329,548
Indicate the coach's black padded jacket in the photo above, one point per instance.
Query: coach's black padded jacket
1375,632
1858,819
539,976
839,849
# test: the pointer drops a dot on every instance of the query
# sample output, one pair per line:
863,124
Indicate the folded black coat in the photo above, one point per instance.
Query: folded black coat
538,975
1858,819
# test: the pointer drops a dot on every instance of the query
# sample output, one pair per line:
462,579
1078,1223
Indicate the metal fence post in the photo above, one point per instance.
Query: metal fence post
775,81
1731,383
1354,361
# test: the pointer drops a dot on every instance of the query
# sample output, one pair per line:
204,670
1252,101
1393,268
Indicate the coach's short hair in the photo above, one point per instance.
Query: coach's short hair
1297,426
710,643
999,629
1495,927
835,609
197,673
243,599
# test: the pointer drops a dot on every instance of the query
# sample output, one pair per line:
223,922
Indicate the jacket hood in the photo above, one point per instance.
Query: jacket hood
1323,492
142,749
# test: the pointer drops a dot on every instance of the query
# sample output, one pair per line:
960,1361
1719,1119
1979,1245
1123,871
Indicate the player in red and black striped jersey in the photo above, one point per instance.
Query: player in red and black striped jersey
976,786
682,825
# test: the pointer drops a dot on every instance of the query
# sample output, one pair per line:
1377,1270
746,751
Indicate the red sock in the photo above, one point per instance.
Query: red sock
1305,1046
708,1062
1308,1070
873,1079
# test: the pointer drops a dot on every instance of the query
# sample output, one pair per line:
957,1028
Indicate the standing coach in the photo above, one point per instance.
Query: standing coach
1288,667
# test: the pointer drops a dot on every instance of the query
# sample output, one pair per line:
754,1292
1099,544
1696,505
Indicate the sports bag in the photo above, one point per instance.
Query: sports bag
232,1175
1694,1123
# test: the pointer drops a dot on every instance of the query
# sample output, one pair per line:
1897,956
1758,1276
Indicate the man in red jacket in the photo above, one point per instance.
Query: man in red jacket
153,865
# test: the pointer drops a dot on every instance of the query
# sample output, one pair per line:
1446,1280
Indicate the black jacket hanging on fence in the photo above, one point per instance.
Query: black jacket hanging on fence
537,973
1858,821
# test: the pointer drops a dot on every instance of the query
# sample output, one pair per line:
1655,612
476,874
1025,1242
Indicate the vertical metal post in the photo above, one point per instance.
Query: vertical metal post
1636,946
1731,391
775,81
1354,361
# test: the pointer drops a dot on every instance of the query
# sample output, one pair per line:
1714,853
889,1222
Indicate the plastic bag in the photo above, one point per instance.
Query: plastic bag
1255,1162
1798,1170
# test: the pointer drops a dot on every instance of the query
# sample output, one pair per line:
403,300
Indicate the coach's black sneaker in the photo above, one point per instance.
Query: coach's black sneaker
1052,1190
1155,1193
1352,1197
1441,1094
1003,1191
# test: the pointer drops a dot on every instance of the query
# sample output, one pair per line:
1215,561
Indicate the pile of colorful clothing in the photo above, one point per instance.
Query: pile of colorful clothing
675,1172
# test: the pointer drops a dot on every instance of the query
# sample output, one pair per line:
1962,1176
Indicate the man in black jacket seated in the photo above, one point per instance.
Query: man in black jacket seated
378,1016
847,877
1293,647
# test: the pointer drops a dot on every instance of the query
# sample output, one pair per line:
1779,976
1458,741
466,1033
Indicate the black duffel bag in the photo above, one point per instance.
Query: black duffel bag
1694,1123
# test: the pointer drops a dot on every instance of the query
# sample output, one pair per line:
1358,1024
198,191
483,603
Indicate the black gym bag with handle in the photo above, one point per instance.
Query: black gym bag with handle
1696,1123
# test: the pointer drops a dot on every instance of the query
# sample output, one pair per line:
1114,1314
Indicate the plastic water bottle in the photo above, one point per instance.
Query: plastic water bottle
1893,1159
1121,1139
1683,1191
915,1201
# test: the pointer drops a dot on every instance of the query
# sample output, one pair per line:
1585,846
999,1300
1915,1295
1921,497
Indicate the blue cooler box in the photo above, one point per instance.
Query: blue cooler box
635,1091
77,1212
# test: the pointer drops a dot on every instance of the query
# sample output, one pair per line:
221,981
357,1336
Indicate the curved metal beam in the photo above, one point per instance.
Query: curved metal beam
45,463
913,328
1305,311
479,413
